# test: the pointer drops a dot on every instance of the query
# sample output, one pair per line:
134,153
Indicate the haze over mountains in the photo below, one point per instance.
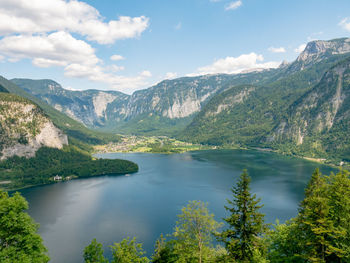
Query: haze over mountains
267,108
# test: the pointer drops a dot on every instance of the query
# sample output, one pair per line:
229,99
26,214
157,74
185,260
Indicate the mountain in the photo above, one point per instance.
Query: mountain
77,132
248,115
161,109
224,109
33,149
24,128
318,50
318,123
88,107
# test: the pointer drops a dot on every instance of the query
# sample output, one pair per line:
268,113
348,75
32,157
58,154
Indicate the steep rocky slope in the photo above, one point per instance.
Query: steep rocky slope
166,105
78,134
33,149
24,128
259,109
319,121
88,107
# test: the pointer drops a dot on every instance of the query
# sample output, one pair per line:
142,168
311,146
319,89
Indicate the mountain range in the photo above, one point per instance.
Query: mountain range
298,108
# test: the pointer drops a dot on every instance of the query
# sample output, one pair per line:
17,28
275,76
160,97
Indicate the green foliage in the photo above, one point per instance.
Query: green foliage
19,241
243,238
3,89
313,219
321,231
164,251
49,162
251,115
193,233
283,243
128,251
93,253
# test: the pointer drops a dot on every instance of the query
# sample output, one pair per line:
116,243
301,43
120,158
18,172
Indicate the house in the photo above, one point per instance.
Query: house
57,178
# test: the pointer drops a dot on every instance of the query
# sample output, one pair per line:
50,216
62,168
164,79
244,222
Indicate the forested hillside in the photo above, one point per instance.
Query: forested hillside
33,149
319,121
256,115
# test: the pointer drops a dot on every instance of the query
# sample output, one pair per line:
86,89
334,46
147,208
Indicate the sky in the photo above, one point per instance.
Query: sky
127,45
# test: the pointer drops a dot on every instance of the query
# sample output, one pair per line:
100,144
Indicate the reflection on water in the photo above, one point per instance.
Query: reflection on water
145,204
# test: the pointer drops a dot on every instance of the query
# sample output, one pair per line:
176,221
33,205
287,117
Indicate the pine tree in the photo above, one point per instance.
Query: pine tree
246,224
338,193
313,220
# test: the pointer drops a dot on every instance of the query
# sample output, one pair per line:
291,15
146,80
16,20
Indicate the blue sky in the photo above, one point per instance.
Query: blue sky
72,41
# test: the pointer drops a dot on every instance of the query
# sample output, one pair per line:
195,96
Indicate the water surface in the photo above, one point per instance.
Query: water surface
145,204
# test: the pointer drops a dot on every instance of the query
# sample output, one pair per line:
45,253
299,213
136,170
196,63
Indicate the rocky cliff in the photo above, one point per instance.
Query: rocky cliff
170,100
24,128
320,119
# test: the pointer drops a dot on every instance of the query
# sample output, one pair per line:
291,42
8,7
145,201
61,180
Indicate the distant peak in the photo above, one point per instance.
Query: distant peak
284,64
316,48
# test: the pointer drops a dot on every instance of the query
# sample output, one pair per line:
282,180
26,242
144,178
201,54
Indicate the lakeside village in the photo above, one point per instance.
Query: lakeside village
152,144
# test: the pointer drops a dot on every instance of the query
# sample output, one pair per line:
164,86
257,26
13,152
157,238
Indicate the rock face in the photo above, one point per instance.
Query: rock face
322,115
318,50
24,128
178,101
301,110
172,100
88,107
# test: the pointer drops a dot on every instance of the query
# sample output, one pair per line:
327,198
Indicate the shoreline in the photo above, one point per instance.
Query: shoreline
321,161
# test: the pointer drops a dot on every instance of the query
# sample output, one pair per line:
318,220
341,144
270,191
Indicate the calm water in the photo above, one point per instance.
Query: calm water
145,204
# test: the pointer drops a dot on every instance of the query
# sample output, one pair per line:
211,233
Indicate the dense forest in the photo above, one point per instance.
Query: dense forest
70,162
319,233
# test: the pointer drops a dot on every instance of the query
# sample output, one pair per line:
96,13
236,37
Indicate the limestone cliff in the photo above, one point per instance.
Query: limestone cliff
24,128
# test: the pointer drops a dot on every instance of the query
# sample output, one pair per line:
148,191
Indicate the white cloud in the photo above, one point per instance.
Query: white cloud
171,75
76,56
233,5
37,16
345,23
42,31
277,49
115,68
231,65
146,73
55,49
99,74
300,48
117,57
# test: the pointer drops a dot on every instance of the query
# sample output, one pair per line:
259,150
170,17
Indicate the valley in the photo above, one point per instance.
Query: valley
202,131
146,144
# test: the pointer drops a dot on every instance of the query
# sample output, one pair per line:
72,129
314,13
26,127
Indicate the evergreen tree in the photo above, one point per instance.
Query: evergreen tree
93,253
314,222
19,241
246,224
338,193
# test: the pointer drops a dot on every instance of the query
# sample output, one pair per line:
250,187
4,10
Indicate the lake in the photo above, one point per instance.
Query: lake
145,204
